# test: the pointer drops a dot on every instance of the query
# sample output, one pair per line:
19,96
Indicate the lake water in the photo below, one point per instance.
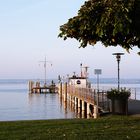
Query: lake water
17,104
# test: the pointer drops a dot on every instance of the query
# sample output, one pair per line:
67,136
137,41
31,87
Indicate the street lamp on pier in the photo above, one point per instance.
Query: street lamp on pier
118,57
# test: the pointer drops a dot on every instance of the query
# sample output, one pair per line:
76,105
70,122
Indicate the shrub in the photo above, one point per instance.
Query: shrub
123,93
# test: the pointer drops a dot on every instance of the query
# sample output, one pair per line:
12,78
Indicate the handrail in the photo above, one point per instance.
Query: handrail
90,95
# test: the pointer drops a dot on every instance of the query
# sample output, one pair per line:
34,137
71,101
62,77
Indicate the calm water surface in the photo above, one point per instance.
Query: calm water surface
17,104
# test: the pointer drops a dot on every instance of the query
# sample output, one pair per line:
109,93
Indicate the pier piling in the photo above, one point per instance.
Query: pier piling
83,100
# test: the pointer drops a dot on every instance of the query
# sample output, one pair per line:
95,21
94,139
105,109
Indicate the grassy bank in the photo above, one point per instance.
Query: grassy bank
107,128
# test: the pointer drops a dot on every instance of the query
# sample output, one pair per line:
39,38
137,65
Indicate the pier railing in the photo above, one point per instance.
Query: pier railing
135,91
92,101
91,96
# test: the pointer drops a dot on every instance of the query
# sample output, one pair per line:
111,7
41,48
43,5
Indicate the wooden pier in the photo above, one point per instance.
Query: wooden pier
35,87
85,100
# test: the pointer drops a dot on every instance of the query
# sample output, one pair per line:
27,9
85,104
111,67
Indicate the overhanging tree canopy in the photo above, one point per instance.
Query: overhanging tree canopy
113,22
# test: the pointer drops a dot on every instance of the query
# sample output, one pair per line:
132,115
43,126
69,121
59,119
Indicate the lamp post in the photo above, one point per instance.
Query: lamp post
118,57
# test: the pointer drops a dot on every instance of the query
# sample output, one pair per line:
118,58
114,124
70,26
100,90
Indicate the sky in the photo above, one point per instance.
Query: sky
29,31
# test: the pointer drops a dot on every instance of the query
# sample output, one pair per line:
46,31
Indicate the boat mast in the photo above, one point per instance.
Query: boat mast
45,62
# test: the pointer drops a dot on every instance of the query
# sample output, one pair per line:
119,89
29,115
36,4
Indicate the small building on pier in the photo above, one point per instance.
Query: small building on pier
82,80
77,81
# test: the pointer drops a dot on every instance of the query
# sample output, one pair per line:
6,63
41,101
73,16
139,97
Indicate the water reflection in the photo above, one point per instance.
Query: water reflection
17,104
24,106
70,106
48,106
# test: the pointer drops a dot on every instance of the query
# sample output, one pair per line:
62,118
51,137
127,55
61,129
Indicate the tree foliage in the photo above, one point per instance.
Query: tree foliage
113,22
